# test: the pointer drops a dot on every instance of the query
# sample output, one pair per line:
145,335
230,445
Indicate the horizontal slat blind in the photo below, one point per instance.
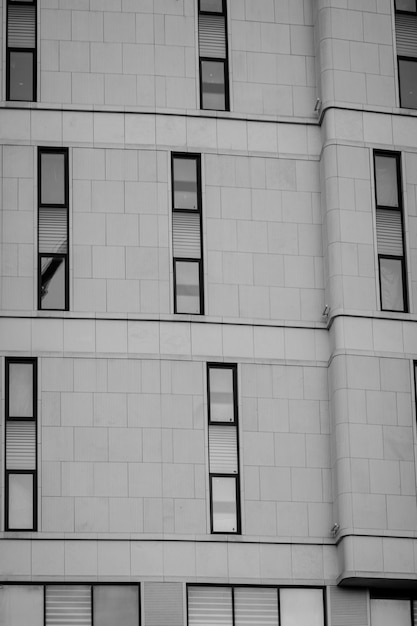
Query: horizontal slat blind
212,36
256,607
163,604
21,445
53,230
406,34
68,605
21,32
349,607
186,235
223,449
415,611
209,606
389,232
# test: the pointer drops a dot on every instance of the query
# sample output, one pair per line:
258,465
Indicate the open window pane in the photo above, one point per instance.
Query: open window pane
116,605
386,181
302,607
405,5
21,76
187,279
20,501
223,493
185,184
53,273
52,178
21,605
213,93
221,394
408,83
390,612
392,291
20,390
215,6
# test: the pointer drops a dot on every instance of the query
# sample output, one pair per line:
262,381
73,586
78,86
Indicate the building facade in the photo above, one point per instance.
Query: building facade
208,312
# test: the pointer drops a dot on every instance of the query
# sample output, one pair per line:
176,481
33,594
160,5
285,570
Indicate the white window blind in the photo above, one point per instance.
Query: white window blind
21,445
212,36
53,230
389,232
210,606
223,450
186,235
68,605
406,35
256,606
21,31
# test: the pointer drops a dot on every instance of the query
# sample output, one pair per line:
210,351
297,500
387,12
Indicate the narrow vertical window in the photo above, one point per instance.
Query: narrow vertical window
21,439
212,35
390,232
186,234
406,37
21,50
223,448
53,265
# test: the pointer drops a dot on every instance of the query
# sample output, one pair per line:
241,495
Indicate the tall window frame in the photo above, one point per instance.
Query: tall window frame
391,249
406,39
53,234
21,50
223,445
187,236
21,445
213,54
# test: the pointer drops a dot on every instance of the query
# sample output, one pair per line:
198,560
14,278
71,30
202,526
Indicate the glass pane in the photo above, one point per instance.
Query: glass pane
408,83
213,85
20,390
20,501
301,607
209,606
392,294
221,395
405,5
187,278
215,6
256,606
185,184
116,605
53,283
20,606
21,76
386,181
52,178
223,493
389,612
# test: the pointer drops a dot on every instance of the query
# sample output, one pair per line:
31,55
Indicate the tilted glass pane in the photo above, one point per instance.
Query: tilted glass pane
21,76
21,390
53,283
408,83
210,606
223,494
405,5
213,85
390,612
256,606
116,605
221,394
215,6
301,607
52,178
392,293
21,605
20,501
386,180
185,184
187,278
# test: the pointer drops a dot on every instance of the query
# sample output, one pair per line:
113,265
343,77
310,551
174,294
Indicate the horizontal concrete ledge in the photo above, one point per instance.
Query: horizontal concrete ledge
380,583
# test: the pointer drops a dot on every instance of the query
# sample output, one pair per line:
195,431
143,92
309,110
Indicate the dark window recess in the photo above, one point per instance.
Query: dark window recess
212,36
53,270
187,234
406,37
21,50
390,232
21,444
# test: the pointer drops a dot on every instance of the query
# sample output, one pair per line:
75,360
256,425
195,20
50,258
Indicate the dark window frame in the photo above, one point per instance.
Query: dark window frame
399,59
396,594
10,419
64,206
33,51
233,424
225,61
400,210
197,158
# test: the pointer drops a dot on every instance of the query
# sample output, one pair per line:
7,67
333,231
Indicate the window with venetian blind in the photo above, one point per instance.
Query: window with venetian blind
21,444
21,50
406,39
212,37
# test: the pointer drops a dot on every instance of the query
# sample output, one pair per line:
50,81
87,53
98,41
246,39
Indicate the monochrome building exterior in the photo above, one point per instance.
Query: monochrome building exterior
208,333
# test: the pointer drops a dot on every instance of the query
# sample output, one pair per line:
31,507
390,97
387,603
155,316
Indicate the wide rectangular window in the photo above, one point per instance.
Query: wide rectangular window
223,448
212,37
21,444
390,232
21,50
406,38
53,218
187,234
224,605
398,607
